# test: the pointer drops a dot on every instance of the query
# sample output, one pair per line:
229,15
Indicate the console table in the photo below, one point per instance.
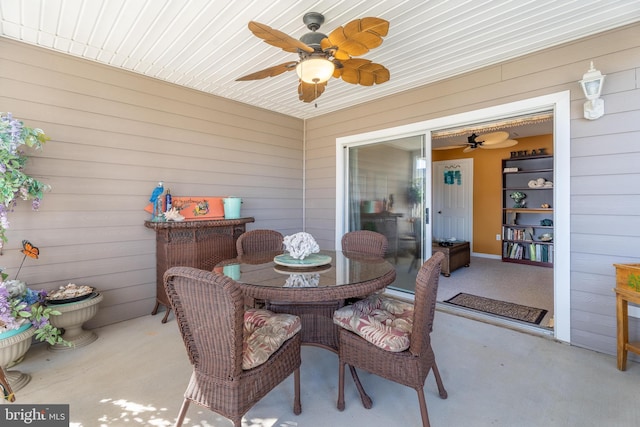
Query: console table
199,243
455,256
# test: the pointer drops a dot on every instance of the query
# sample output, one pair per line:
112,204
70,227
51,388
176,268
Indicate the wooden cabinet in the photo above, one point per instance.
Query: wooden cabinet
527,223
200,244
455,256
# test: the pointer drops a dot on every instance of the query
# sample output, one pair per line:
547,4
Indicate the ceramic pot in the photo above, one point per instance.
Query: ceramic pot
13,345
71,318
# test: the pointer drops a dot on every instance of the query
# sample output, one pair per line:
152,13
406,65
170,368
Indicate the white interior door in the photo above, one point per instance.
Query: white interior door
453,200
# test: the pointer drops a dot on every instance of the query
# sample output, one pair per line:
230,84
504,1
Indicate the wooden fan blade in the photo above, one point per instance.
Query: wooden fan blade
503,144
278,38
357,37
493,138
269,72
308,92
447,147
363,72
468,149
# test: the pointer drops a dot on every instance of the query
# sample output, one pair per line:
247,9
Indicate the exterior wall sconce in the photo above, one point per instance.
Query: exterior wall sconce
591,84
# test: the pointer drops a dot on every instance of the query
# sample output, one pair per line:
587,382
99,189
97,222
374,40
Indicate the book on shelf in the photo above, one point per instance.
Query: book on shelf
525,234
535,252
514,251
528,233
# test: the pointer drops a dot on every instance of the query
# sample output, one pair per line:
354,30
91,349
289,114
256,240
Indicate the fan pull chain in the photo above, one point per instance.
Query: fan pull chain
315,88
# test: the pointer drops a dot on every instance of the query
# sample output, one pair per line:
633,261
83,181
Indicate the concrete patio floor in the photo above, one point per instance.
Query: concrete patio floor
136,372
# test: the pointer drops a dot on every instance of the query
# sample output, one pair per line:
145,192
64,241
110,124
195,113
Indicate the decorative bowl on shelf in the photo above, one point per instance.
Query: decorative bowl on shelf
545,237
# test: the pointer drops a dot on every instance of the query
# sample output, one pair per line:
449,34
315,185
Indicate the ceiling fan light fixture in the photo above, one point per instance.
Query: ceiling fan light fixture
317,54
315,70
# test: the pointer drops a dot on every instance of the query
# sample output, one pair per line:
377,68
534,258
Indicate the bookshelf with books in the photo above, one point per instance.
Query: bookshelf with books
527,214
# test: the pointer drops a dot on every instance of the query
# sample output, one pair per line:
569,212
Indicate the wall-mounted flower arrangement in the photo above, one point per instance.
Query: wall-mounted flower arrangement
14,183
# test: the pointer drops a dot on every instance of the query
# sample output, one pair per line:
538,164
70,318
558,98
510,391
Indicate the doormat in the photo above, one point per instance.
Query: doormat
509,310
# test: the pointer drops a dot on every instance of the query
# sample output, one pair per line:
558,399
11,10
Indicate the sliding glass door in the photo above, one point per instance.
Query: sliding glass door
388,191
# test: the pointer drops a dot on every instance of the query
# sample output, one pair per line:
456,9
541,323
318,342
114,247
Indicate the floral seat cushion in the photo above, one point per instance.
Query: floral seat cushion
384,322
264,332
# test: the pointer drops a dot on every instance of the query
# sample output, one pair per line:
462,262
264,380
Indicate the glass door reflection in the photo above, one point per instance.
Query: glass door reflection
385,193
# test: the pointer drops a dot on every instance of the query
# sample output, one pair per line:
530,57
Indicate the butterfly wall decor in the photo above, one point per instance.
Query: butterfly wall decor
29,250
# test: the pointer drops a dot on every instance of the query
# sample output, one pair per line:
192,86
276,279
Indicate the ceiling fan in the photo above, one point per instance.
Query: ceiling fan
321,57
487,141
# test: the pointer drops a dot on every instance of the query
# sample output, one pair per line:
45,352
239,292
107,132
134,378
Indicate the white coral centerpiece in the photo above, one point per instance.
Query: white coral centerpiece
303,281
173,214
301,245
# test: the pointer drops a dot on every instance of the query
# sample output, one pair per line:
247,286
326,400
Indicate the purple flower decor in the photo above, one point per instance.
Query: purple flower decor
14,183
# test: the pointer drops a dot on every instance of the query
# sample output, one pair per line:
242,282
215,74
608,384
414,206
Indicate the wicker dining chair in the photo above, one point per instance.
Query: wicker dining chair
211,317
254,241
409,367
365,242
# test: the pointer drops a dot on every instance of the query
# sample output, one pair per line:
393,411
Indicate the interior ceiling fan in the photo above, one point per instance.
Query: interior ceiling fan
321,57
487,141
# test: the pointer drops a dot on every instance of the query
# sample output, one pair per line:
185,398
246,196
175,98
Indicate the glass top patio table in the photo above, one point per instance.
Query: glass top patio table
313,293
346,275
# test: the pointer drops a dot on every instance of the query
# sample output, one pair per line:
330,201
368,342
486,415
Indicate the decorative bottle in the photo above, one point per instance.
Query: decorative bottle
167,200
159,210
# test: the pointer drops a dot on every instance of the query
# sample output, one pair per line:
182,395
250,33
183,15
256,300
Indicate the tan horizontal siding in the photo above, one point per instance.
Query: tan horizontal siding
115,134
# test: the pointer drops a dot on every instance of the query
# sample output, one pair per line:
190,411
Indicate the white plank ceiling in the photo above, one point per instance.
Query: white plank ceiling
206,45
